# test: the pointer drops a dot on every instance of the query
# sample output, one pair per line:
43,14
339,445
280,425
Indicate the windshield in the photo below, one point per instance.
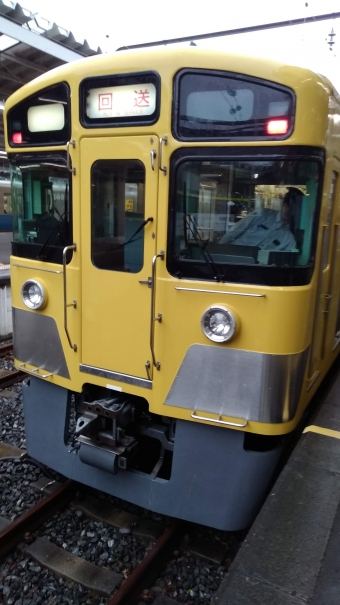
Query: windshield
41,205
232,214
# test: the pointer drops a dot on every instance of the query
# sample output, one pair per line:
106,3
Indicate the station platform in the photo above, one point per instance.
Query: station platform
5,248
5,253
291,555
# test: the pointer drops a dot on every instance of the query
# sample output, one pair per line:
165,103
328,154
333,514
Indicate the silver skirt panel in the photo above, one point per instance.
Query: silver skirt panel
36,341
240,384
116,376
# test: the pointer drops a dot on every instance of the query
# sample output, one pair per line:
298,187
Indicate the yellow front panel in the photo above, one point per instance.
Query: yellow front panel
50,276
277,324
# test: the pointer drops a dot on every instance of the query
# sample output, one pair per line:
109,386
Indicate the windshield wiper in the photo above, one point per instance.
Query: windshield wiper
47,242
192,225
131,239
61,222
219,125
189,222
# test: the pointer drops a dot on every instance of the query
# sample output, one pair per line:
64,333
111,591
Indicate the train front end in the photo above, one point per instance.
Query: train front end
169,350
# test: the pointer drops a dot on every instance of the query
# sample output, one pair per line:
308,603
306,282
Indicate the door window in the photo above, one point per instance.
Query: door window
118,203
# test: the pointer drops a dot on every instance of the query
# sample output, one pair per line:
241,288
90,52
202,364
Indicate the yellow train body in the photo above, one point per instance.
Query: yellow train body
105,320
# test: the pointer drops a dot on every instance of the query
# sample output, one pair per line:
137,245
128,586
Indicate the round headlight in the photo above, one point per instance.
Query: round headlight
33,294
218,324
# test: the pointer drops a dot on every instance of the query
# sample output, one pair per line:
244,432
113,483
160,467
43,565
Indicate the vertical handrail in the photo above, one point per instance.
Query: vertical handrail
152,317
68,157
162,142
72,304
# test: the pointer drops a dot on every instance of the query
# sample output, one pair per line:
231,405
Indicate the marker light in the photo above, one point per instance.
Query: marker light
218,324
277,126
17,138
33,294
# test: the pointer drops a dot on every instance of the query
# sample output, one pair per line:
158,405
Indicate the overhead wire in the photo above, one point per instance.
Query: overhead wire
233,32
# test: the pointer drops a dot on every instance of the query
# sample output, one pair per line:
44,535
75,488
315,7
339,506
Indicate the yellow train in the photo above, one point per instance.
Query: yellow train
175,271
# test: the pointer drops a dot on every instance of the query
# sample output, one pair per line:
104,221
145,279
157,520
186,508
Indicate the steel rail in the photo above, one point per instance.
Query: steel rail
30,521
6,380
149,568
6,350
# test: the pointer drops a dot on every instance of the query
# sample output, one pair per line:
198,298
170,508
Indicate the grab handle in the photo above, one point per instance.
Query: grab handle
72,304
68,157
218,420
152,316
34,371
162,142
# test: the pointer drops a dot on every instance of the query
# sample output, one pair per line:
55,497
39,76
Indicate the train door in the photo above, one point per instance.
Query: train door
118,215
326,282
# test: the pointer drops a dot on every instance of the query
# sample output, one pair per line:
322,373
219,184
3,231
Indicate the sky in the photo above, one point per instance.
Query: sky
109,24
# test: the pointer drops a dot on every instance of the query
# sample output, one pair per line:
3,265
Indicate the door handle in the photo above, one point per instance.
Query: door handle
147,282
153,156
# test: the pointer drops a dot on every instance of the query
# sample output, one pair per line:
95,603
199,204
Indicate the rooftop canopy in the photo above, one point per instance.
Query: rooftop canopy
30,46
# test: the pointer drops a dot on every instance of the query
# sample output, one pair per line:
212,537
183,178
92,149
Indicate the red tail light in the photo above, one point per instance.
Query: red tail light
277,126
17,138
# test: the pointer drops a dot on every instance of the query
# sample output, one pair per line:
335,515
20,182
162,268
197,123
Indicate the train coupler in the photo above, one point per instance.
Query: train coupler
101,433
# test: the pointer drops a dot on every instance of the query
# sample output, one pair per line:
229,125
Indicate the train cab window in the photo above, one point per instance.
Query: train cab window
41,206
118,215
244,220
214,105
42,119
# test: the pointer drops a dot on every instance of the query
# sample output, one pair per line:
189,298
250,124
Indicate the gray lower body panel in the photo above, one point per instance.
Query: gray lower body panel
214,481
242,384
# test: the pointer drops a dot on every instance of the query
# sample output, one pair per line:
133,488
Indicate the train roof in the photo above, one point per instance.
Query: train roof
170,60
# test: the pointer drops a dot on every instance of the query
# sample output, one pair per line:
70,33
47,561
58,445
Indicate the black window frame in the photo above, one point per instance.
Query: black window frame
111,80
118,248
263,275
42,138
235,76
29,250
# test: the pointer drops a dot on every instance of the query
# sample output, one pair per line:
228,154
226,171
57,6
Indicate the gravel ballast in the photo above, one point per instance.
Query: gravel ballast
186,579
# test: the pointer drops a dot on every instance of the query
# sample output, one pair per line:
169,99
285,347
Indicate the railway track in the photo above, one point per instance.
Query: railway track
7,379
27,537
6,349
10,378
14,533
130,589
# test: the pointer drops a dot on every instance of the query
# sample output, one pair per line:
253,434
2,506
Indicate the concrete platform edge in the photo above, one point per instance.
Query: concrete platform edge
290,554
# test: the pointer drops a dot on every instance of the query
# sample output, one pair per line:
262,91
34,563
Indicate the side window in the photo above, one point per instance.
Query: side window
117,242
